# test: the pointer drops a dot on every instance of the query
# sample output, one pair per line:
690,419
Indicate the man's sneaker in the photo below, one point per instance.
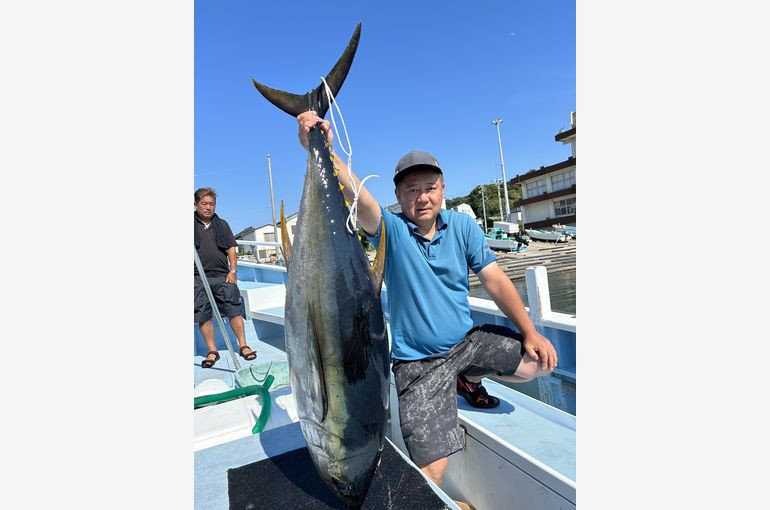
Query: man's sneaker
475,394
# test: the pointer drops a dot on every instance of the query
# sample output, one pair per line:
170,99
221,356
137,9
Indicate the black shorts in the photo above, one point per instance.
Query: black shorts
226,295
427,388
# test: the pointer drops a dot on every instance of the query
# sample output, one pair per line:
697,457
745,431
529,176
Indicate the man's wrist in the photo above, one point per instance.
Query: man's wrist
233,271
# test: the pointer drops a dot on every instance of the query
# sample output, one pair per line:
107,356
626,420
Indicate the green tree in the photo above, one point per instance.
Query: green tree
490,198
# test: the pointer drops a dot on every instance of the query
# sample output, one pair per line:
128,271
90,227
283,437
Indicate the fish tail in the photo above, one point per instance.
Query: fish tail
316,100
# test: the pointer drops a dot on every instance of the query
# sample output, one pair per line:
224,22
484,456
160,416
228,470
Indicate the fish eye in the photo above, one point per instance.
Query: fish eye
343,487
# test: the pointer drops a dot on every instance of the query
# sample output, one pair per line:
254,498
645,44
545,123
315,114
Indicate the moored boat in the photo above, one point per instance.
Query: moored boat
547,235
569,230
497,239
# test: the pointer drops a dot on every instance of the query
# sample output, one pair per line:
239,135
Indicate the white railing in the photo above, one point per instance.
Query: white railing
539,298
258,243
265,244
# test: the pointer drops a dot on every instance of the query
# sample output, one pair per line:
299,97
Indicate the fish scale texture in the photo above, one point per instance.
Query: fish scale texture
290,481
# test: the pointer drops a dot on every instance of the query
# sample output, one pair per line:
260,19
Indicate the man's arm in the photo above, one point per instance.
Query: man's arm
369,212
232,257
502,291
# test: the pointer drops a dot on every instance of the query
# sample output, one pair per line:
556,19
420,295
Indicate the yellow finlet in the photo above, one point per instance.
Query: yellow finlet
378,266
285,241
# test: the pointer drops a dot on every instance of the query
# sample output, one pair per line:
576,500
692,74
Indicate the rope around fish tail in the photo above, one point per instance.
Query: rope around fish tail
350,224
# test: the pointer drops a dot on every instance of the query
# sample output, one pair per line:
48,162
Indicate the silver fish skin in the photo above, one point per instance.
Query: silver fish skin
336,340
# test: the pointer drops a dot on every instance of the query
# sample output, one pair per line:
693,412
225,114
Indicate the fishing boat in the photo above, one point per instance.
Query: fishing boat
520,455
497,239
547,235
569,230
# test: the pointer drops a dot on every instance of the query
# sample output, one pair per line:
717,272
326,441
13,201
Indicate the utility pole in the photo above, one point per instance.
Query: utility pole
484,208
497,123
499,202
272,201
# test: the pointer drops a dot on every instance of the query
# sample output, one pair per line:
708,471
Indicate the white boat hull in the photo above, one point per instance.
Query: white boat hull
545,235
506,244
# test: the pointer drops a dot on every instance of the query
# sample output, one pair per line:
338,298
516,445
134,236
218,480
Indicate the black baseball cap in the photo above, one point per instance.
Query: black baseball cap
415,160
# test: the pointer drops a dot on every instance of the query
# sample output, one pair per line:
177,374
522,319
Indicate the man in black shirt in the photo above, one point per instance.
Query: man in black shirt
217,250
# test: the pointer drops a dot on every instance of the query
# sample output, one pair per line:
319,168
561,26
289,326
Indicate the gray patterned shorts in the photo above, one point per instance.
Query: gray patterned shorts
427,388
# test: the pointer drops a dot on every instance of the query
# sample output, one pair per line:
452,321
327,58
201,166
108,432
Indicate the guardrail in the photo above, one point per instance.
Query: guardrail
258,243
268,244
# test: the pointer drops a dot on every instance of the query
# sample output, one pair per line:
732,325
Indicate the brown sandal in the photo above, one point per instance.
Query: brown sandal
208,363
250,356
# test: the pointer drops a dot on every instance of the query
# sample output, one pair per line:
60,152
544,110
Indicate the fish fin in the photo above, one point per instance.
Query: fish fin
378,266
294,104
313,330
285,240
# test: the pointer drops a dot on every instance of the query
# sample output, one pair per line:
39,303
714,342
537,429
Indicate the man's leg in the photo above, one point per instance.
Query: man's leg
435,470
427,408
499,351
529,368
202,315
207,331
236,322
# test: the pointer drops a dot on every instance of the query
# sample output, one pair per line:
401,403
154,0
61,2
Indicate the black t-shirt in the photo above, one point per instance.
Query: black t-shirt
213,258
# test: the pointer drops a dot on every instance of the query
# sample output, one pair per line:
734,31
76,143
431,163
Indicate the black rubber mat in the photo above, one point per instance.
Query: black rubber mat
291,481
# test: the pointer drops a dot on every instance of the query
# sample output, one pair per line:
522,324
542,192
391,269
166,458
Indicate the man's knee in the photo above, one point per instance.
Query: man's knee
530,368
542,372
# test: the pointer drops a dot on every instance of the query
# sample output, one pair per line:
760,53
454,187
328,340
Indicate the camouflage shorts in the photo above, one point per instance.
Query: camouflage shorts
427,388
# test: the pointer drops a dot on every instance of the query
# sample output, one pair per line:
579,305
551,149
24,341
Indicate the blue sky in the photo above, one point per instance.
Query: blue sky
427,75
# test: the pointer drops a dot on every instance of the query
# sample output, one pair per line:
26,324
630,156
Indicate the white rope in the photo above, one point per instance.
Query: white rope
350,224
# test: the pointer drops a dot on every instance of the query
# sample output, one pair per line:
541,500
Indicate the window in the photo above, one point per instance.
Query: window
269,237
563,181
536,188
564,207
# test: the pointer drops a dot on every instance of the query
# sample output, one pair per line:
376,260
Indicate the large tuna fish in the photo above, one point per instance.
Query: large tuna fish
335,332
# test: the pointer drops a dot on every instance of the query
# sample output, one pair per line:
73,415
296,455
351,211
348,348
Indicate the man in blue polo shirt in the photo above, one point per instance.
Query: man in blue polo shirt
437,352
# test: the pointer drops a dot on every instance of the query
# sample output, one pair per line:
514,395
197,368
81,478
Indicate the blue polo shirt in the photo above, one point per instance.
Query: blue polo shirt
427,282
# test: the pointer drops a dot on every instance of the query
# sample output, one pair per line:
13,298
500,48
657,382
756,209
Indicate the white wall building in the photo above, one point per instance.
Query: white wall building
265,233
549,193
468,210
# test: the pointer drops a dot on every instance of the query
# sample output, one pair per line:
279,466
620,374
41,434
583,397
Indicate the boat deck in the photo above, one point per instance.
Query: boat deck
542,432
212,465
